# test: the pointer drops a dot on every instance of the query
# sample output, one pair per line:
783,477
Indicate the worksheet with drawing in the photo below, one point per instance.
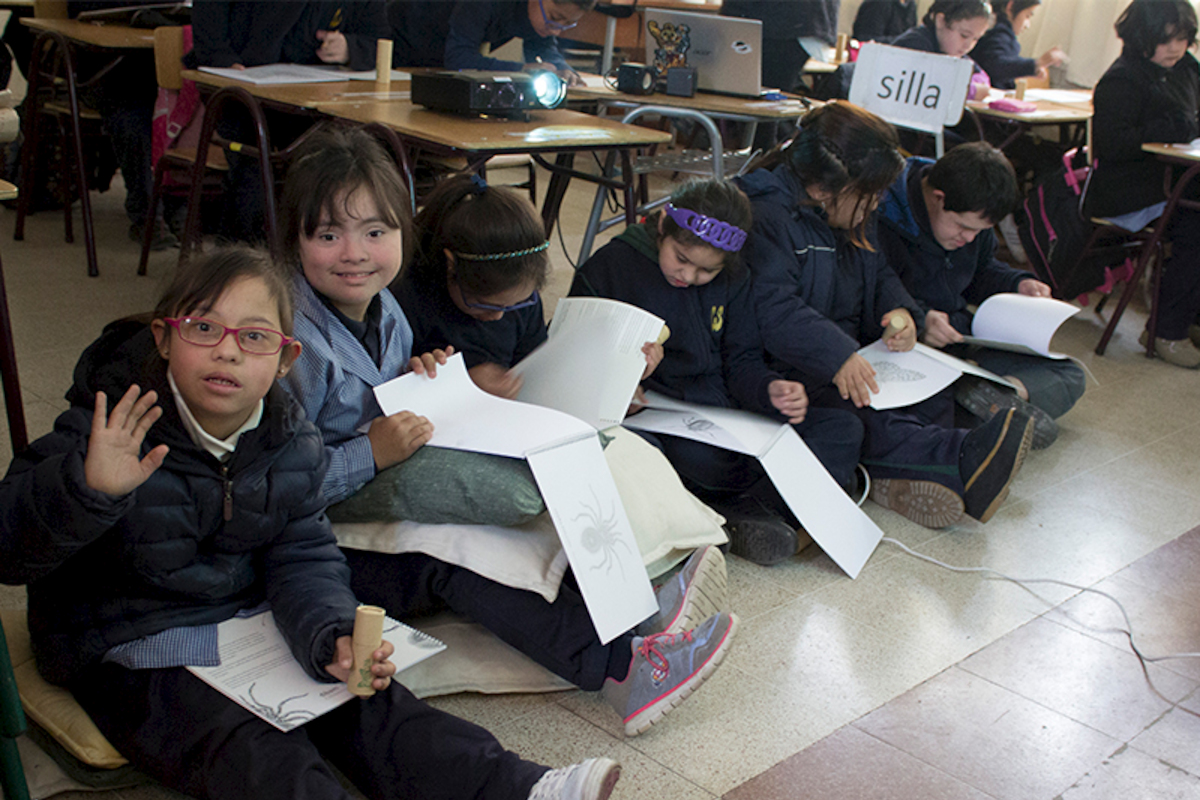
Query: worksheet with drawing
572,475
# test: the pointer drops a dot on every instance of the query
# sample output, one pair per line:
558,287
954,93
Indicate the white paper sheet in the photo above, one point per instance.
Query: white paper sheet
1065,96
592,362
259,672
966,367
280,74
586,508
1011,321
568,464
905,379
465,417
836,524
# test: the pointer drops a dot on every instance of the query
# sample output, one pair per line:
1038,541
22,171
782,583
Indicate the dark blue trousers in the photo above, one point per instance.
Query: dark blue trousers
917,442
191,738
559,635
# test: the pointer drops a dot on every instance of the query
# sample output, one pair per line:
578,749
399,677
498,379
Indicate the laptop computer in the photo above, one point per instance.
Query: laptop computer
725,51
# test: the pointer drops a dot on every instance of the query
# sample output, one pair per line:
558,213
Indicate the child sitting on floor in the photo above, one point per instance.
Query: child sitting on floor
822,290
936,231
140,529
345,219
684,265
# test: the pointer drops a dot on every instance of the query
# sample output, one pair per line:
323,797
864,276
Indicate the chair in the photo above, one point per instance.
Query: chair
53,97
712,162
178,162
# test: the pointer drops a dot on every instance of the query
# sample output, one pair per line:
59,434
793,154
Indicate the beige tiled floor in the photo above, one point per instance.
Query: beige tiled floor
911,681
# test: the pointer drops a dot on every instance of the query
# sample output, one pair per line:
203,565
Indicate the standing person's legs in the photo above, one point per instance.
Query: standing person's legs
560,635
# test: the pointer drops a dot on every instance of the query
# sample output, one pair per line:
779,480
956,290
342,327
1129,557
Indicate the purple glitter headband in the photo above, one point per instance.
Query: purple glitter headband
714,231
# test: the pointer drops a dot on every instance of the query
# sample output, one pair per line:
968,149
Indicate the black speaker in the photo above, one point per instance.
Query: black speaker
636,78
681,81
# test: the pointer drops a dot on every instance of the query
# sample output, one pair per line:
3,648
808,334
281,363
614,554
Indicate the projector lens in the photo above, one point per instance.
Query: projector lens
550,89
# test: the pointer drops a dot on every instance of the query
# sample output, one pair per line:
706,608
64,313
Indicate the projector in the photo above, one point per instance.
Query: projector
511,94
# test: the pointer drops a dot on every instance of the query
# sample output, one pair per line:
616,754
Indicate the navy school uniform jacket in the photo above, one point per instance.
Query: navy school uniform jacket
999,54
798,262
191,546
714,355
437,322
496,22
884,20
1136,102
257,33
945,280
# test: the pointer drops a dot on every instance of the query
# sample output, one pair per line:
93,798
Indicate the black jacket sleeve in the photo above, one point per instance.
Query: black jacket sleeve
47,512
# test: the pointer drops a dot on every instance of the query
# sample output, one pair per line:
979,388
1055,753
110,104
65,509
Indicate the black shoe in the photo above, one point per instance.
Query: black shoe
990,458
160,239
984,398
757,533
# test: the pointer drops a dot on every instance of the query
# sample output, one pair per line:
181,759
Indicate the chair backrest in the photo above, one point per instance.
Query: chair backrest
12,725
910,88
50,9
168,53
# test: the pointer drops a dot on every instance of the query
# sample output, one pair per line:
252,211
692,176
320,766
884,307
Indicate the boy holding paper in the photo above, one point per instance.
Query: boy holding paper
936,230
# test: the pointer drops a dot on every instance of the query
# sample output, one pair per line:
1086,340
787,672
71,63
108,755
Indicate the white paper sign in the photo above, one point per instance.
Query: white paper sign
923,91
465,417
592,362
1011,321
259,672
836,524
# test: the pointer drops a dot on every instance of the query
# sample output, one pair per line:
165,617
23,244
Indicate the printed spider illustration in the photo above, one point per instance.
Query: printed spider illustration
699,425
888,372
277,714
601,535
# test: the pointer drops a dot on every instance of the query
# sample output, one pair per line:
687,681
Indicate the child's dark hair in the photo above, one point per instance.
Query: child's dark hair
841,148
328,169
976,177
199,282
497,238
1002,9
720,200
954,10
1146,24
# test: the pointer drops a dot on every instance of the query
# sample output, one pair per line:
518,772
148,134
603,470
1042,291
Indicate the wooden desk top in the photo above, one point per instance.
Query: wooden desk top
1047,113
7,191
716,104
303,95
1186,151
95,34
547,131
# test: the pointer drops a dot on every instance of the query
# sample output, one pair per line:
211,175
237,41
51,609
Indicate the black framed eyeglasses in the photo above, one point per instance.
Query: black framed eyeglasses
206,333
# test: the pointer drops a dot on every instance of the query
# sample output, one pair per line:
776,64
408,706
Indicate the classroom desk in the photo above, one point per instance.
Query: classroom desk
560,131
717,106
96,35
1061,112
1174,156
629,33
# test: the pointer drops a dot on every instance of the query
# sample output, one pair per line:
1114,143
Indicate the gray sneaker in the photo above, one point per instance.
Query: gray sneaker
592,779
666,669
693,594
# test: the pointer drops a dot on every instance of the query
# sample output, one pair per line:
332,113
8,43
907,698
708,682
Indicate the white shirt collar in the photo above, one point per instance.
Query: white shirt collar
221,449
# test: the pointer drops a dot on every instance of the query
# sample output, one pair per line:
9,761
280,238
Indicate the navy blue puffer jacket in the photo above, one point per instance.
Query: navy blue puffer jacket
192,545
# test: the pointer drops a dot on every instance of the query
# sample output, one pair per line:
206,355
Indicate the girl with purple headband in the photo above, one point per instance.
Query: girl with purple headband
685,265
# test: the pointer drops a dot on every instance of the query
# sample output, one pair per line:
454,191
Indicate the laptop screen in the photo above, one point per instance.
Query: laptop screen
725,51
